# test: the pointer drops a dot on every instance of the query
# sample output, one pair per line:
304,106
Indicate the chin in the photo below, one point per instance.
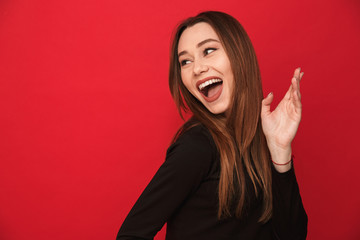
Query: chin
218,109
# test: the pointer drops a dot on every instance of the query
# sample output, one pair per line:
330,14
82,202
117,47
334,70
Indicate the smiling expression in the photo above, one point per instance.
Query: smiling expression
205,67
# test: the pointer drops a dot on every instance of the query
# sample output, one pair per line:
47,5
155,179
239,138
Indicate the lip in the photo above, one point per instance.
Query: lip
213,98
204,80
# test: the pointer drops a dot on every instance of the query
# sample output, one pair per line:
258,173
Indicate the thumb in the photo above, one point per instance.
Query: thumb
266,102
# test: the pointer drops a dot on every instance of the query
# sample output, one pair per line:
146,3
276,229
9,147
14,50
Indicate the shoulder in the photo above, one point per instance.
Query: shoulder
194,148
196,138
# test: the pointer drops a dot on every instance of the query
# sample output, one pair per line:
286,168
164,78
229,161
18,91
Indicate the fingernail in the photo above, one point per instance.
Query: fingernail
269,94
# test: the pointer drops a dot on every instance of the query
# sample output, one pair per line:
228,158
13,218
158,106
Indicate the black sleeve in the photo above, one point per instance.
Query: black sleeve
187,162
289,217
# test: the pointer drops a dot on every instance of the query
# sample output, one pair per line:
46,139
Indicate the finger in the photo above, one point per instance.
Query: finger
266,102
297,101
296,86
295,83
288,93
297,73
301,75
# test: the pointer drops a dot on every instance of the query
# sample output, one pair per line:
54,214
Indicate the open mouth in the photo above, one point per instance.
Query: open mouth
211,89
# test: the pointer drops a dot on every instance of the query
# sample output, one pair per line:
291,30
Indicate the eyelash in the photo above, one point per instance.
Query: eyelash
183,62
207,49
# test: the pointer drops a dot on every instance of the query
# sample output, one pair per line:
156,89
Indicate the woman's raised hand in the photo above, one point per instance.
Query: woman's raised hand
280,125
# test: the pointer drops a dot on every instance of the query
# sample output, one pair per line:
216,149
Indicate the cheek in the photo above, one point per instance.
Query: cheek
228,73
222,64
186,81
226,66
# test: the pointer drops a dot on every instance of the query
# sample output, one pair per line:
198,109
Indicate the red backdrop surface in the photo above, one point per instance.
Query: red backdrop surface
86,115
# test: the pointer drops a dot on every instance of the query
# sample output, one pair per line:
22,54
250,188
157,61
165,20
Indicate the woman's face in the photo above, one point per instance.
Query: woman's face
205,67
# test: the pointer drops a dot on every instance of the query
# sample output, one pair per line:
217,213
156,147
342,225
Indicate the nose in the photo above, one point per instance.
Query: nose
200,67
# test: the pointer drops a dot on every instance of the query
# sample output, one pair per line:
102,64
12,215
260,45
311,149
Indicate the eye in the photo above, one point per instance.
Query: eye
184,62
209,50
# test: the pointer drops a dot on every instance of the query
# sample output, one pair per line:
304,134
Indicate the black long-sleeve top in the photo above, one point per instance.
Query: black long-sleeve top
184,194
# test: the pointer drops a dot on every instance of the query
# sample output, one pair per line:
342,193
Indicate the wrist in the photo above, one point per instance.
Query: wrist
281,158
283,166
280,154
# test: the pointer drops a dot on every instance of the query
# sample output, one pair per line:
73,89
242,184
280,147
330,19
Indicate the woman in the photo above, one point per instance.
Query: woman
228,173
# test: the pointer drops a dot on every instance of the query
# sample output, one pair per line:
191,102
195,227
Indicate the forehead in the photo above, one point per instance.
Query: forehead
195,34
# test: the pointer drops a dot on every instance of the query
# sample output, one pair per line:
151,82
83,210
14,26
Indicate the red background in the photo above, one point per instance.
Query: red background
86,115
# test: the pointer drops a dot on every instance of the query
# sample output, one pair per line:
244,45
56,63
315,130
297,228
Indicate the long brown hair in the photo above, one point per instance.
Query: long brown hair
239,137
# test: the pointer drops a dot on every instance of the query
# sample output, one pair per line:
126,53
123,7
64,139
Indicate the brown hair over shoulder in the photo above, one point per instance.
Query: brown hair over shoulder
239,137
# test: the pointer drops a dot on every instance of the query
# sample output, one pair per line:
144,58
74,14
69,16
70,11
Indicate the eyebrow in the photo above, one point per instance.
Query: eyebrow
199,45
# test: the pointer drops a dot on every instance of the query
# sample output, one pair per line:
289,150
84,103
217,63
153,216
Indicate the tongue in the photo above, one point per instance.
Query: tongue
213,90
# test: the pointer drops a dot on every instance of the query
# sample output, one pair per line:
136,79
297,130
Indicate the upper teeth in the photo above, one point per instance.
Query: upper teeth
209,82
